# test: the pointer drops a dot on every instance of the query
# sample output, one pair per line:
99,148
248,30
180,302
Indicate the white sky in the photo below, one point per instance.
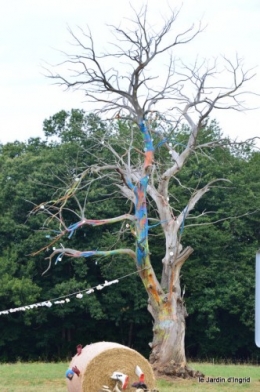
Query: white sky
31,30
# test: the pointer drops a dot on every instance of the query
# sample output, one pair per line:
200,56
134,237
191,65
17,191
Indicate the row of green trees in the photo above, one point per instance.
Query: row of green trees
218,279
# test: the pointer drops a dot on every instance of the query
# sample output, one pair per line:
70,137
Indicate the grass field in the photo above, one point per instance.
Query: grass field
49,377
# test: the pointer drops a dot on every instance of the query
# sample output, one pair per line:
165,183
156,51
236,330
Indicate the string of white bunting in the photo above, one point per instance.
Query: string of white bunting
66,298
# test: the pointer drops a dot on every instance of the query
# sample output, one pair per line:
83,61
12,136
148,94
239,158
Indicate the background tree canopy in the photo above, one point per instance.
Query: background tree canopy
218,278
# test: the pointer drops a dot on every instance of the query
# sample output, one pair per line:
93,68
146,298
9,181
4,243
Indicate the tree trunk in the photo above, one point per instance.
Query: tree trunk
168,349
169,333
168,346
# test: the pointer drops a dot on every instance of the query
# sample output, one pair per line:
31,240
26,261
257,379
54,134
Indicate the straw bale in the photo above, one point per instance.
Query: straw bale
98,361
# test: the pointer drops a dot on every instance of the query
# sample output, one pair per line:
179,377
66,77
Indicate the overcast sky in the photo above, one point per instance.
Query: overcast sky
32,31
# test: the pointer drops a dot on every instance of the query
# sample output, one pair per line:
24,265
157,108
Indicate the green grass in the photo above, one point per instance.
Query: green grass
214,371
33,377
50,377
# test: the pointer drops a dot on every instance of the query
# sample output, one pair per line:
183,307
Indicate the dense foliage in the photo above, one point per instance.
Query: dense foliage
218,278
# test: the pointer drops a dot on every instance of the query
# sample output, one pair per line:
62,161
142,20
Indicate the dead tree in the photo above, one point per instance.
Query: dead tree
184,95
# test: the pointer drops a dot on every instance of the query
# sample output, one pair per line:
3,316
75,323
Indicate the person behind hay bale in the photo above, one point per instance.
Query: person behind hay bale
97,363
79,349
74,370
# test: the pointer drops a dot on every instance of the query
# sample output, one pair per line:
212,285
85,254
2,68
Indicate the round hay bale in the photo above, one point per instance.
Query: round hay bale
98,361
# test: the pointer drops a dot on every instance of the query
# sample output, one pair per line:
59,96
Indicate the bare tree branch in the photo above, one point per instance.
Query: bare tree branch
75,253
